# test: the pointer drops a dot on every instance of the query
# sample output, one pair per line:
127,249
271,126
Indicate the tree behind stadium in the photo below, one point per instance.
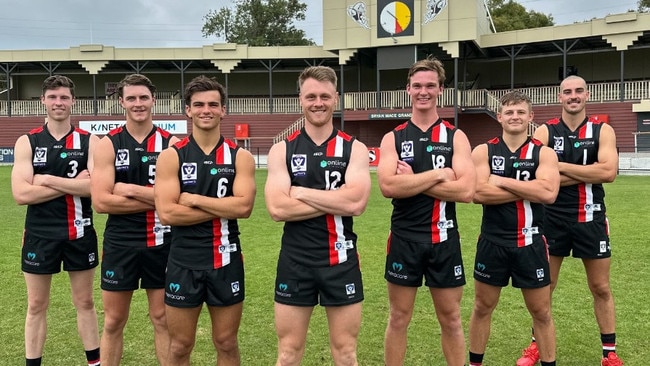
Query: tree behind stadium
258,23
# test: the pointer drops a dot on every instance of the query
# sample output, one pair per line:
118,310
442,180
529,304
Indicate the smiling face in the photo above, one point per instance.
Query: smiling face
424,88
58,103
515,117
318,100
137,101
205,110
573,95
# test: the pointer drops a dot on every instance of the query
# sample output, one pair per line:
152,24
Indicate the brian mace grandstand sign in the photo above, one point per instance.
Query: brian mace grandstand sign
389,115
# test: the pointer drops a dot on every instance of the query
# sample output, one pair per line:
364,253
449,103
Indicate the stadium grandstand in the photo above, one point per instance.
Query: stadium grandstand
371,57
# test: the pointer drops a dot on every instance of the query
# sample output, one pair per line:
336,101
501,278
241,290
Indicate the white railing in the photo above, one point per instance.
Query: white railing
394,99
295,126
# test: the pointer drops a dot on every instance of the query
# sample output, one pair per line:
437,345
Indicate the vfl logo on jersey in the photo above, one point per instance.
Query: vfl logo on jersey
498,164
407,151
558,144
40,156
122,159
592,207
234,287
350,289
189,173
458,271
299,165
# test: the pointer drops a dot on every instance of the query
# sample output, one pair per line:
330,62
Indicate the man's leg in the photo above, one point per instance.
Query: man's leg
402,300
486,299
225,327
538,302
116,313
291,324
38,299
447,304
181,323
530,355
344,323
156,299
554,265
598,280
81,285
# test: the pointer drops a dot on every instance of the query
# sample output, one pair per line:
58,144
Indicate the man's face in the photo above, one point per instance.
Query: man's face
424,90
137,102
318,100
515,118
573,95
58,103
205,109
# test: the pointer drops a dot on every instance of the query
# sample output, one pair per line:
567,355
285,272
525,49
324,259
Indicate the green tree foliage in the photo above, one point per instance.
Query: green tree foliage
644,6
510,15
258,23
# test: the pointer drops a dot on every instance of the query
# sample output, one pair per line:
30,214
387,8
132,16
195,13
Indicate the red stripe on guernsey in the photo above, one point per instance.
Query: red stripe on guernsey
220,229
73,203
151,220
402,126
585,190
223,154
73,141
70,206
335,235
335,146
155,232
155,142
220,240
36,130
439,134
524,211
293,135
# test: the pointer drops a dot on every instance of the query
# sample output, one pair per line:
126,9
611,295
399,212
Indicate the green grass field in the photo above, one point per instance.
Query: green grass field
577,334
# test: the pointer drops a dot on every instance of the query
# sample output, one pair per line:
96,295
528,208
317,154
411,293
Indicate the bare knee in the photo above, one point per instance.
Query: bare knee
399,319
290,355
344,354
158,319
37,306
114,324
600,291
181,348
541,316
85,303
226,344
450,322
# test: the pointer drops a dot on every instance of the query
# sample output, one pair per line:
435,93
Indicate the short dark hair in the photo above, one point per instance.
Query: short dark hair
203,83
320,73
428,64
58,81
135,79
515,97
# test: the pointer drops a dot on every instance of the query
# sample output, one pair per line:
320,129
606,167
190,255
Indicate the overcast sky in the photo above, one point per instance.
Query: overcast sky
44,24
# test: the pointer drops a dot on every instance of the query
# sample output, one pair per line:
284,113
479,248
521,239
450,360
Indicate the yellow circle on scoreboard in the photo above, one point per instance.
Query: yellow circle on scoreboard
395,17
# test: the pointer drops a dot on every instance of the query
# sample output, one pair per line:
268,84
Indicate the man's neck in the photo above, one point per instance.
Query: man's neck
207,140
573,120
139,130
514,142
424,119
319,134
58,129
